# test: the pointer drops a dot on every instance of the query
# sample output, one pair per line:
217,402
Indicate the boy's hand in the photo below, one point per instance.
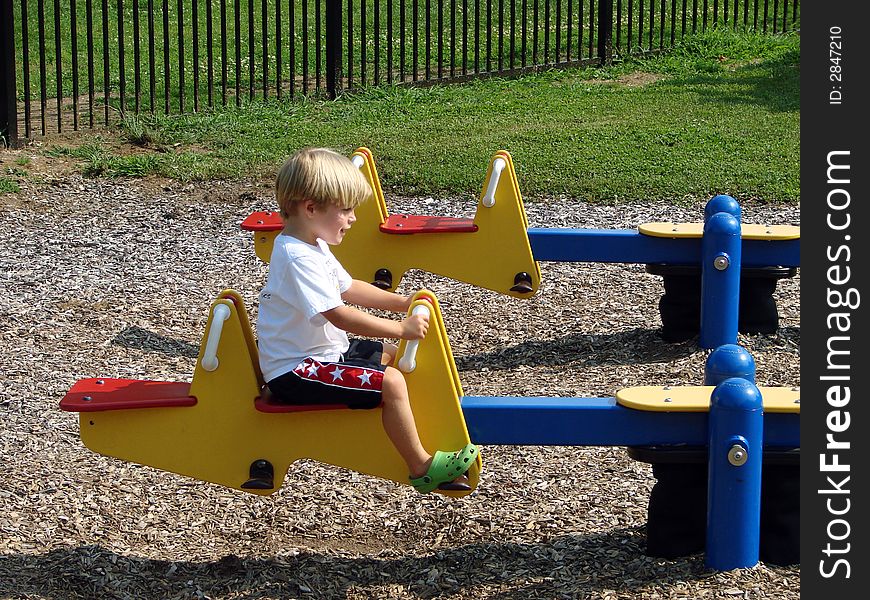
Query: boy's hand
415,327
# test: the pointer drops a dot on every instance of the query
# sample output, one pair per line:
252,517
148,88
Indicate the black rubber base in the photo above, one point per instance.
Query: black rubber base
677,513
680,305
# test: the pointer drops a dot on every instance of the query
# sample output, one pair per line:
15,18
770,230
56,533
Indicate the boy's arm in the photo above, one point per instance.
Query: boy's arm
353,320
365,294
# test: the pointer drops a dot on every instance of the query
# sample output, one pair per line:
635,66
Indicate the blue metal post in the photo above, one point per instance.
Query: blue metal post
734,485
720,280
729,360
722,203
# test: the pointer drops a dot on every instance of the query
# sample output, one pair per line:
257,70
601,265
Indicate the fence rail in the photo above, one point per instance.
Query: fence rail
69,64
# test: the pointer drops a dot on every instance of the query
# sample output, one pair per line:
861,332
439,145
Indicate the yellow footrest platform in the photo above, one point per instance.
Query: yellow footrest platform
696,230
696,398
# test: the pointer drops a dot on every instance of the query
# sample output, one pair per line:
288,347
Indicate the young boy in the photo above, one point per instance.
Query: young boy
305,354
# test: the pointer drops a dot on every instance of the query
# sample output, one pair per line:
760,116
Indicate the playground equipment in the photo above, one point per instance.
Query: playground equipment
677,516
220,428
491,250
728,425
716,273
719,275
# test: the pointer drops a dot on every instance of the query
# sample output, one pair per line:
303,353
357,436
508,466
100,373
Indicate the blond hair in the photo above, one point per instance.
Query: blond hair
322,176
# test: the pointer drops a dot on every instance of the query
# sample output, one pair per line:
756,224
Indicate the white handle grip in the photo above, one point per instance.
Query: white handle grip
209,358
358,161
408,362
498,166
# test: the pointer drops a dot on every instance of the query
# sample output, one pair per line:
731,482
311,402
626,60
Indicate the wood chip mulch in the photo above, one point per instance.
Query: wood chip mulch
113,278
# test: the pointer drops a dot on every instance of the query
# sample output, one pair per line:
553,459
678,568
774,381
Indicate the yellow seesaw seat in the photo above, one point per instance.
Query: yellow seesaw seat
212,430
491,251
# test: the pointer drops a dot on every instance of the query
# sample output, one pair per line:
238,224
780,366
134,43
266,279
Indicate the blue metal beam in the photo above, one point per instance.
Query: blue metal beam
598,422
631,246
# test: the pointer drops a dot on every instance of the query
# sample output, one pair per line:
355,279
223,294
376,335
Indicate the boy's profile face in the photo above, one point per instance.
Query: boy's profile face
329,223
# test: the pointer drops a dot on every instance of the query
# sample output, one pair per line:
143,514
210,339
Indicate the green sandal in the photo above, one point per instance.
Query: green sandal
445,467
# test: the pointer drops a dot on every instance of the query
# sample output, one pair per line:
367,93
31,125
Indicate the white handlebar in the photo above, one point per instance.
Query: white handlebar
498,166
358,161
209,358
408,362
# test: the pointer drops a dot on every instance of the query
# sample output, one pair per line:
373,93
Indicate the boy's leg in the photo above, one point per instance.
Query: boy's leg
401,428
399,423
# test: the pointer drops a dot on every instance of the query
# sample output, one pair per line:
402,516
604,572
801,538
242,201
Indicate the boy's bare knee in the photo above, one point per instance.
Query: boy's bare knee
394,385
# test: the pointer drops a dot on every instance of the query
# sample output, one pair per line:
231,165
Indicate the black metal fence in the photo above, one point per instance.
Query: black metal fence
68,64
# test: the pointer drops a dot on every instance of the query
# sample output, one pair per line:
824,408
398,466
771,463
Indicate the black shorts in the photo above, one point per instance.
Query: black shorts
355,380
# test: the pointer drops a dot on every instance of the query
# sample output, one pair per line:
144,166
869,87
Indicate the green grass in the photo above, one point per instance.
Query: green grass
8,185
721,115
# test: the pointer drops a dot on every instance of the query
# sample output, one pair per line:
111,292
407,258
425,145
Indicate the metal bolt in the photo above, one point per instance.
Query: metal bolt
100,382
668,400
720,263
737,455
87,398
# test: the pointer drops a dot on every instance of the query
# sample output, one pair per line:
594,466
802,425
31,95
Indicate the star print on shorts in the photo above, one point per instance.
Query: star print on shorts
340,375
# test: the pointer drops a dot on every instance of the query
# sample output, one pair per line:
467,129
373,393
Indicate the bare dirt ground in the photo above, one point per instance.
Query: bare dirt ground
113,278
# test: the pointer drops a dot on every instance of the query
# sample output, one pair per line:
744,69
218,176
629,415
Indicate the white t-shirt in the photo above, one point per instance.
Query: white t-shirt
303,281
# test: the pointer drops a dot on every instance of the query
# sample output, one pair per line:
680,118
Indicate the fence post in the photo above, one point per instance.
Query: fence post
333,19
605,32
8,93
